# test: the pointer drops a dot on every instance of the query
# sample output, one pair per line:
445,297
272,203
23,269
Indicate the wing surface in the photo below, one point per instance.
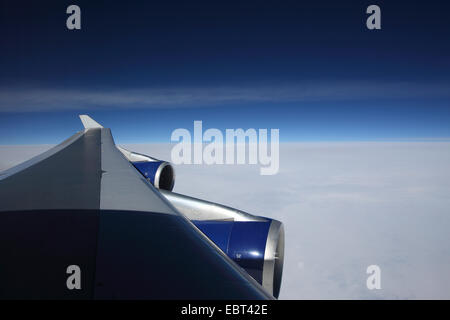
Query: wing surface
83,205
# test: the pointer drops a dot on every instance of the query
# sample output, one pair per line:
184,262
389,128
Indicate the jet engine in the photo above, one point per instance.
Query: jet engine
160,173
256,246
255,243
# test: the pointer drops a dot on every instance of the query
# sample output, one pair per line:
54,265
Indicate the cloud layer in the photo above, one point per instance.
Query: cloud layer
48,99
345,206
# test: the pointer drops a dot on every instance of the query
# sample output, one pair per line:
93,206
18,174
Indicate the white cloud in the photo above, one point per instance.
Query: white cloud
30,99
346,206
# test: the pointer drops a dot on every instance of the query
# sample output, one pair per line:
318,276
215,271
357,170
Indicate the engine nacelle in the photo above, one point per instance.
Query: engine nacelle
254,243
256,246
160,173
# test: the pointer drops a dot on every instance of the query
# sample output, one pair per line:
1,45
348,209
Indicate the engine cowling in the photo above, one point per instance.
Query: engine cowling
256,246
158,172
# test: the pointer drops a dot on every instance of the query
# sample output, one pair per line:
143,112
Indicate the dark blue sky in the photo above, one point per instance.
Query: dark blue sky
143,68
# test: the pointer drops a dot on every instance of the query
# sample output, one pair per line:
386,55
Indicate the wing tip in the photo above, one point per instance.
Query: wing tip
88,122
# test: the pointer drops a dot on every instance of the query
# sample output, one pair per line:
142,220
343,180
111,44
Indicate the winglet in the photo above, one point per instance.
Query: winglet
89,123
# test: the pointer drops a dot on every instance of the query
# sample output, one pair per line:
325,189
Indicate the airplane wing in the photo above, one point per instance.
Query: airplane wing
80,222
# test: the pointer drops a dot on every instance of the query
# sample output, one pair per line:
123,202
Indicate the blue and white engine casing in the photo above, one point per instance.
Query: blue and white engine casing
255,243
160,173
